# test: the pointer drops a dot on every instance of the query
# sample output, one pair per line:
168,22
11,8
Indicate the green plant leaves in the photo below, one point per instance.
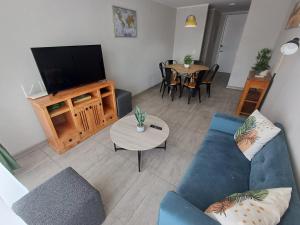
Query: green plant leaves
188,59
140,116
262,60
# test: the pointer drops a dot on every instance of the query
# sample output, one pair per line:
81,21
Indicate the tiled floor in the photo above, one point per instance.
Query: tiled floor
131,197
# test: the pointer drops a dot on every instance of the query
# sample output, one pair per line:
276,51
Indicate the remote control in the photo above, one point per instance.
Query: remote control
155,127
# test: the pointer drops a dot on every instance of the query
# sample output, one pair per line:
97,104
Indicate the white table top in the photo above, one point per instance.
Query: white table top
123,133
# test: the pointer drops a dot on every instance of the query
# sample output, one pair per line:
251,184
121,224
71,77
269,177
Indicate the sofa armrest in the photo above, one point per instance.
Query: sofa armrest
226,123
177,211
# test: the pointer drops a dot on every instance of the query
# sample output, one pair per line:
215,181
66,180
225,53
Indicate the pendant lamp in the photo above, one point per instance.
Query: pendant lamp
191,21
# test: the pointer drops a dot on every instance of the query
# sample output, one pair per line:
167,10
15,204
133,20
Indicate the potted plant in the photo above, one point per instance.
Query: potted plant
140,117
188,60
262,66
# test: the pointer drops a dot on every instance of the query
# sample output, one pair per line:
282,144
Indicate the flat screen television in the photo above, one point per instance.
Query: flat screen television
69,66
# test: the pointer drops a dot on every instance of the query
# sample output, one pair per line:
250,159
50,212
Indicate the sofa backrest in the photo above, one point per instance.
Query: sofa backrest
271,166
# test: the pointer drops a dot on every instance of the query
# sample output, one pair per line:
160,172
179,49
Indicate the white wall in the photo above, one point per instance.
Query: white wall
131,62
189,40
282,102
262,27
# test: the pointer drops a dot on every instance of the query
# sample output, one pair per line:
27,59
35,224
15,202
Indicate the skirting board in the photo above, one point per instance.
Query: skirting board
30,149
234,88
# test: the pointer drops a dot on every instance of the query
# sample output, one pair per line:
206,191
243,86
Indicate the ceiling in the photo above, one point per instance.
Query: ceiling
222,5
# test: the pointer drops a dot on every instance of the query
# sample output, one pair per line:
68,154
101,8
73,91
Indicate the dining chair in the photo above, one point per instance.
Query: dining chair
197,62
209,77
193,85
172,80
170,62
162,67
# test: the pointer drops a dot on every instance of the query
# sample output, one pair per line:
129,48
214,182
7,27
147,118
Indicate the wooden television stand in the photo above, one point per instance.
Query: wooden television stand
73,115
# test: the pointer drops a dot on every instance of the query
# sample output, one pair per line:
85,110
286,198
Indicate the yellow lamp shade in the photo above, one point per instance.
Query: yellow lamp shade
191,21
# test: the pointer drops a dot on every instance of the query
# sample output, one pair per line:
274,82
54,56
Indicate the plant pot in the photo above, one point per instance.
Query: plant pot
264,73
140,129
261,74
186,65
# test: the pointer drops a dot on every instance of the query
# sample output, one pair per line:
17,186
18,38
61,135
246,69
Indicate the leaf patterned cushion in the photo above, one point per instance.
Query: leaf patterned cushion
257,207
256,131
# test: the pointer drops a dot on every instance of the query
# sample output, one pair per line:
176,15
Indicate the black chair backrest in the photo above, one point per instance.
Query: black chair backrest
170,62
212,72
168,75
161,67
197,62
199,78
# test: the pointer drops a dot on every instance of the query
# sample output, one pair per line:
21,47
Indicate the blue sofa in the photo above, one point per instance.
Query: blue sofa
220,169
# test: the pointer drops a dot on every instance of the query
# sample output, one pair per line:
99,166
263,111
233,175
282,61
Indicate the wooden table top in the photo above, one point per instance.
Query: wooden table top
192,69
123,133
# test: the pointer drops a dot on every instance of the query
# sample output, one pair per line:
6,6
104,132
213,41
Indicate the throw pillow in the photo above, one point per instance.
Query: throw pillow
258,207
256,131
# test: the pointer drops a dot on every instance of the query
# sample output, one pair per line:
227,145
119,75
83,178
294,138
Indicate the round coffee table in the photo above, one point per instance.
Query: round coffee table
124,135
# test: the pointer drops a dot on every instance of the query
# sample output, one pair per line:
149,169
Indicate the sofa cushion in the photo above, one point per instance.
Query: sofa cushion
271,168
218,170
255,132
252,207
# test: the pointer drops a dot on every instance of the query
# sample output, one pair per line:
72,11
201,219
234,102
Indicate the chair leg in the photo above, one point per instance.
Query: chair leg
181,91
208,89
161,85
190,95
172,92
199,90
164,89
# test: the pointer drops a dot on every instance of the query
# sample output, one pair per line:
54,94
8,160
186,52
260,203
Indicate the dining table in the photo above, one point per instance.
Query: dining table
187,72
181,69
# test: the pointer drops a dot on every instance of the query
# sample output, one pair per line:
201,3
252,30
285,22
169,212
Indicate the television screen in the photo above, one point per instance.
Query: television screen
69,66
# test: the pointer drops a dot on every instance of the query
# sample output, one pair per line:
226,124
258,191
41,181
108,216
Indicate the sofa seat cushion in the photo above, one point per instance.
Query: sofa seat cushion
271,168
218,170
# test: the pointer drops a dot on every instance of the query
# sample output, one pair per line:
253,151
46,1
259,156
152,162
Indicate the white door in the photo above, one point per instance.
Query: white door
232,34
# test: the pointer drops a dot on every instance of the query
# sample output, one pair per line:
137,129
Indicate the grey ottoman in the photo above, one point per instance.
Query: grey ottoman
65,199
124,102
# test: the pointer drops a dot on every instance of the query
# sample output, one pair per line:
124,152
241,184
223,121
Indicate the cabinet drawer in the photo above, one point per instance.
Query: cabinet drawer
109,119
71,140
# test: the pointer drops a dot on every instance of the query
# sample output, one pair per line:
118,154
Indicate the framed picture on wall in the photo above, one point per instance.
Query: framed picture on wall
125,22
294,20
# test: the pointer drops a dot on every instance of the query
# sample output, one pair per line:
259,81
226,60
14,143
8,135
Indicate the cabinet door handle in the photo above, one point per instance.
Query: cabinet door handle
70,140
100,104
90,107
75,115
80,132
86,109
